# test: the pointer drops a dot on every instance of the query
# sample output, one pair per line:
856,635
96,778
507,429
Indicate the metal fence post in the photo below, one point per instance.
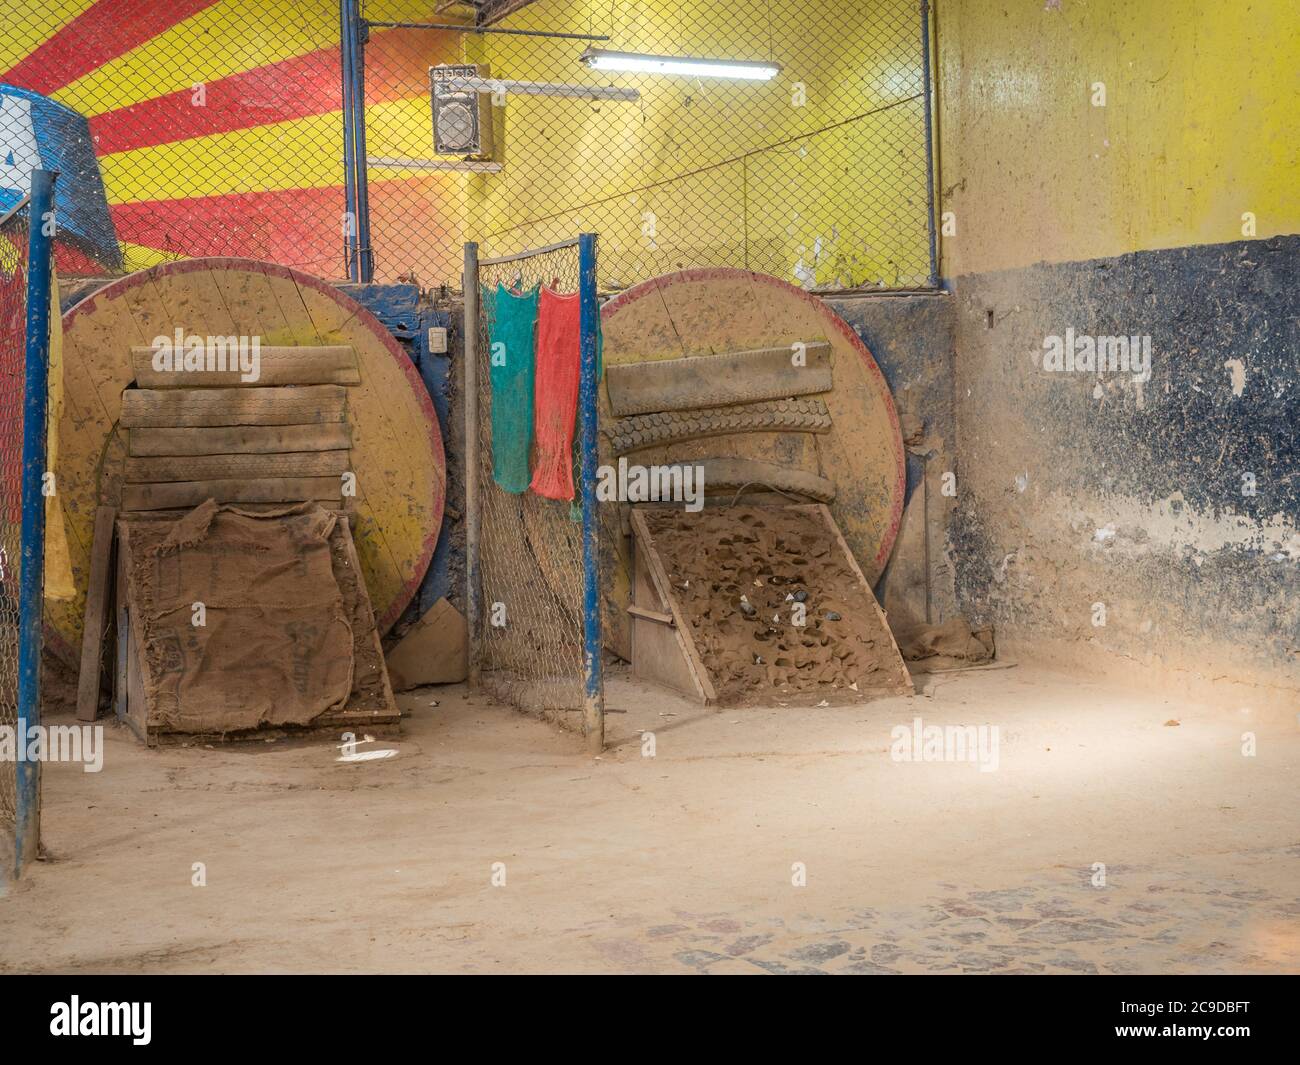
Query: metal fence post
31,588
366,254
593,704
929,144
469,396
349,149
356,186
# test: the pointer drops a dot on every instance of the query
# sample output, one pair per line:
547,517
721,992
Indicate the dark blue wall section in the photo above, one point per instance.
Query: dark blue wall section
1084,487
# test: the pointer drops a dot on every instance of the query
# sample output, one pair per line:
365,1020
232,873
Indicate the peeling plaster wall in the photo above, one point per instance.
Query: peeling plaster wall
1102,520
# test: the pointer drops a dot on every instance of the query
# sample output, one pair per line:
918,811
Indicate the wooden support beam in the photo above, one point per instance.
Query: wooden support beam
228,467
719,380
241,439
261,490
334,364
167,408
97,604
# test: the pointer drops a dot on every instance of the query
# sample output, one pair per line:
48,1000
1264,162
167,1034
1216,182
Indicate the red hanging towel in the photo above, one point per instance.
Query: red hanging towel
555,393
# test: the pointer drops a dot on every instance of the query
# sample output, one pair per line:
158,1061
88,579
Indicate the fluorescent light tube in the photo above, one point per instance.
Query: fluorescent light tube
599,59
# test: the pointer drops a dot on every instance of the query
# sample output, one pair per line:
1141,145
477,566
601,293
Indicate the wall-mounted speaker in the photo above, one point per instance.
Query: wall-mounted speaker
462,119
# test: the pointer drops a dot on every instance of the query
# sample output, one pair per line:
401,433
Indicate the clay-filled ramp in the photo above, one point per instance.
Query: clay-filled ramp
741,604
765,387
393,448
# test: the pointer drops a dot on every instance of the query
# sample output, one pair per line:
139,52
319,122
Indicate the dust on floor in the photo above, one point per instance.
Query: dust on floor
687,861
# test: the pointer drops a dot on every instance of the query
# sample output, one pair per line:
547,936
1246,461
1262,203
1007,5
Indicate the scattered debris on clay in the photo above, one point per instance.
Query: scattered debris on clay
739,573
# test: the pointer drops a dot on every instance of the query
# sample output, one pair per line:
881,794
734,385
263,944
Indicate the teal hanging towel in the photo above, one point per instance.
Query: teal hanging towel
512,319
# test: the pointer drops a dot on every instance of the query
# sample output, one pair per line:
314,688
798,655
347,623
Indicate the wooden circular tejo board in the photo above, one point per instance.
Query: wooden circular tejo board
714,312
396,447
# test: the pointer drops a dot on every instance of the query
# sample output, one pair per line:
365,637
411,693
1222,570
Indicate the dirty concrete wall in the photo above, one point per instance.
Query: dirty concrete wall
911,338
1126,170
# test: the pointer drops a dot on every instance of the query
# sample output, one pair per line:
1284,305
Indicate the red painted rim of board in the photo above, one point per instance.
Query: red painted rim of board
358,312
731,273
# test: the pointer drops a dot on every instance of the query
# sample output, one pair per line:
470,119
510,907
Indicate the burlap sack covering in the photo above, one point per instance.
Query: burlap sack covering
275,646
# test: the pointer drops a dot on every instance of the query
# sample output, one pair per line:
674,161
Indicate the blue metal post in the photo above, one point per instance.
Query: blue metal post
31,577
349,151
365,255
929,144
469,390
593,704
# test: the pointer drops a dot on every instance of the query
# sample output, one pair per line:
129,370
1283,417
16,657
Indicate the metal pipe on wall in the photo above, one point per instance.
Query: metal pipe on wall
365,253
356,187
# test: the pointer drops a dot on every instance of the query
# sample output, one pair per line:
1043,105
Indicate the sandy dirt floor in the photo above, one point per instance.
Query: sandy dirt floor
684,862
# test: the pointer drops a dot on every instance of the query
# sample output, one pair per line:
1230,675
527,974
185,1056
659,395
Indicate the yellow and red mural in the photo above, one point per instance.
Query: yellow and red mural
216,124
214,127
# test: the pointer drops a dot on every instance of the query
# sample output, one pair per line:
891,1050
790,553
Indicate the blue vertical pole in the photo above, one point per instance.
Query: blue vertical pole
593,703
469,396
365,255
929,144
31,577
349,152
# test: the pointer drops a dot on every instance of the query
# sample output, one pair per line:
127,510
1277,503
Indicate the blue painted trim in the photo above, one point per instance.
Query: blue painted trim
31,586
589,459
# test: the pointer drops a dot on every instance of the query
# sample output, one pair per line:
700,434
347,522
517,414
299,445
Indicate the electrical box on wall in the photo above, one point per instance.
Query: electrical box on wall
462,118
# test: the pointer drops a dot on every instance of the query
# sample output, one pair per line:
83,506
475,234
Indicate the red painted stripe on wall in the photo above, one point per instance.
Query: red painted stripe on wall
294,227
397,65
104,31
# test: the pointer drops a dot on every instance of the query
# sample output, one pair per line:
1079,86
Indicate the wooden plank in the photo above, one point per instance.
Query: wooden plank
233,406
241,439
258,490
275,365
390,711
96,617
902,678
718,380
160,469
650,615
655,576
128,688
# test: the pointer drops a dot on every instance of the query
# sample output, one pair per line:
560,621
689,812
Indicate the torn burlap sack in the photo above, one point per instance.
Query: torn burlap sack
244,621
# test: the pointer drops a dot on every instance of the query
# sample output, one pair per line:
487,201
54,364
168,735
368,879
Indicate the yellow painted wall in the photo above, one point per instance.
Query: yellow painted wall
845,206
1200,126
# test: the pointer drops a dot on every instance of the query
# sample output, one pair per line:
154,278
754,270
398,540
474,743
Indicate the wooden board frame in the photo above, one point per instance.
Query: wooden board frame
698,313
130,704
395,434
653,641
654,638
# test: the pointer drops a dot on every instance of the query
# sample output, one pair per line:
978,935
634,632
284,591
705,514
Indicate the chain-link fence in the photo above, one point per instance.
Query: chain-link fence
226,127
533,588
13,327
806,159
180,129
25,303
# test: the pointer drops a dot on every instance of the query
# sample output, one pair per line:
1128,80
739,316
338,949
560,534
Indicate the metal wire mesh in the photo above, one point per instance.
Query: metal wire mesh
530,639
13,320
215,127
816,176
